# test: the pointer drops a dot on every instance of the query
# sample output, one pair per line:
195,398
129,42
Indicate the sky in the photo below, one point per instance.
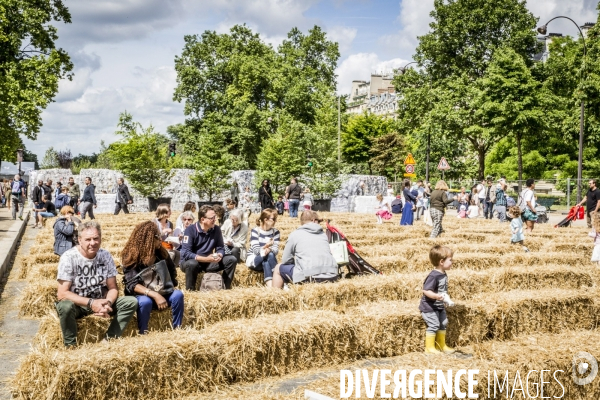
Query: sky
123,52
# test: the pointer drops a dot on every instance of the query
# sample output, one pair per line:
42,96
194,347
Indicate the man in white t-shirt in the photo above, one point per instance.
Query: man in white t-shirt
529,214
87,284
481,196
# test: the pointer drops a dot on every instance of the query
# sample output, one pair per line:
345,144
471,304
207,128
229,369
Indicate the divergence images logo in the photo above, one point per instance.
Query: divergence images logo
585,368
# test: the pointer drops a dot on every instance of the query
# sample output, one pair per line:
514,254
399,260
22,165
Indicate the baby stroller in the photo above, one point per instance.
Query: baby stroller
571,216
541,213
356,264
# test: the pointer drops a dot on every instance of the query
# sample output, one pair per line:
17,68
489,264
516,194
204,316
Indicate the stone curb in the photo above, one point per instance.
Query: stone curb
9,245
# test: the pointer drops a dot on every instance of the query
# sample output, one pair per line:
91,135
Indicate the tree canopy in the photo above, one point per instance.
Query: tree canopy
30,67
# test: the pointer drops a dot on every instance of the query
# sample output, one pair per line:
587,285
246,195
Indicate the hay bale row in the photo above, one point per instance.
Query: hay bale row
205,309
523,354
248,350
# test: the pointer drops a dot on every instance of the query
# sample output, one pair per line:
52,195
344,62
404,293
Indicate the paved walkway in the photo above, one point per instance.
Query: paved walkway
16,334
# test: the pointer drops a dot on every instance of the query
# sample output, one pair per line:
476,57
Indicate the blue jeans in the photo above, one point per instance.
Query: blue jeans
146,304
266,265
294,204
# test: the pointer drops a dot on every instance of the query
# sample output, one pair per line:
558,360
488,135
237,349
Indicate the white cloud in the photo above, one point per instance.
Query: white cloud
360,66
581,11
117,20
343,35
81,123
414,20
270,17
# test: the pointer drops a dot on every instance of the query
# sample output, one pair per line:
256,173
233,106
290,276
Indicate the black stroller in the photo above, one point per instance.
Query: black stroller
356,264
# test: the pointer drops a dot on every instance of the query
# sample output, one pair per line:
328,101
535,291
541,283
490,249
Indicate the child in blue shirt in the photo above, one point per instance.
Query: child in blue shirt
434,300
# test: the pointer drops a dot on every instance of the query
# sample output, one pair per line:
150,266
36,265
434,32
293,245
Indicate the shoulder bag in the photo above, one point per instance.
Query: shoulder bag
211,281
157,278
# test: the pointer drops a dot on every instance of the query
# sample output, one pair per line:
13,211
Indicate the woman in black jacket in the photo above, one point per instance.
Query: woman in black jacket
64,231
265,196
143,250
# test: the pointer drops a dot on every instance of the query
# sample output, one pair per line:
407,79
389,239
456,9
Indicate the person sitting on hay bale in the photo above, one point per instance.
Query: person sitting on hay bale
203,250
144,250
307,256
434,300
235,233
65,229
87,284
264,245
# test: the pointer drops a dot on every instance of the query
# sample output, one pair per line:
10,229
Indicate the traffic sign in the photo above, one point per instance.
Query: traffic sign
410,175
443,165
410,169
409,159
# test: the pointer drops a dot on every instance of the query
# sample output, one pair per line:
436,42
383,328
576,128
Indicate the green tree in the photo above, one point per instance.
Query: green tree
360,134
512,99
237,82
141,155
283,154
30,67
50,159
465,34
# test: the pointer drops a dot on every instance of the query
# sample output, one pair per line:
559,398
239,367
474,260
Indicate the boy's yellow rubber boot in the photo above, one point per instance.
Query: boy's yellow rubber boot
440,341
430,343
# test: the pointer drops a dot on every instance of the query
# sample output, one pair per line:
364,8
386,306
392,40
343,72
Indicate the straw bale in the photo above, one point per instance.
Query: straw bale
91,329
548,310
165,365
524,354
204,309
37,299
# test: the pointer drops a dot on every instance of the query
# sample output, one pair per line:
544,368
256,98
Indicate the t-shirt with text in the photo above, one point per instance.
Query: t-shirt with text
437,282
88,276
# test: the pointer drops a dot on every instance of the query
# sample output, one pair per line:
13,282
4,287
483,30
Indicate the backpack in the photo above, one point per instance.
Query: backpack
211,281
16,188
521,201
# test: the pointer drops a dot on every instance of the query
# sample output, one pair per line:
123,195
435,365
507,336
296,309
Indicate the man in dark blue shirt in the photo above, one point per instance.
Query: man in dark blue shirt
202,250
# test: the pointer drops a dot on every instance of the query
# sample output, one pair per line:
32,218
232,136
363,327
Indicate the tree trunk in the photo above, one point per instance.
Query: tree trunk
519,161
481,155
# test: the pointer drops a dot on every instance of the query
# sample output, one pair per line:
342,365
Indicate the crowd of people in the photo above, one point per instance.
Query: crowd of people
213,240
158,250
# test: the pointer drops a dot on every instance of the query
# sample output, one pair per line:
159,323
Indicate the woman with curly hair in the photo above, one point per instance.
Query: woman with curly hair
143,250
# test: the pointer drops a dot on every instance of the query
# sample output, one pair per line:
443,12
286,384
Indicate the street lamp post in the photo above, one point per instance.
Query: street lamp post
542,30
20,160
403,69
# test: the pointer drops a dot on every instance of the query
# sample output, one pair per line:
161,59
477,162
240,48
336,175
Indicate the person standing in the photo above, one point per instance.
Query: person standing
420,199
7,192
202,250
307,199
17,191
591,198
234,190
88,200
501,201
481,196
293,193
433,302
410,202
57,189
438,202
75,194
37,195
87,284
47,188
527,205
123,197
265,195
490,198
